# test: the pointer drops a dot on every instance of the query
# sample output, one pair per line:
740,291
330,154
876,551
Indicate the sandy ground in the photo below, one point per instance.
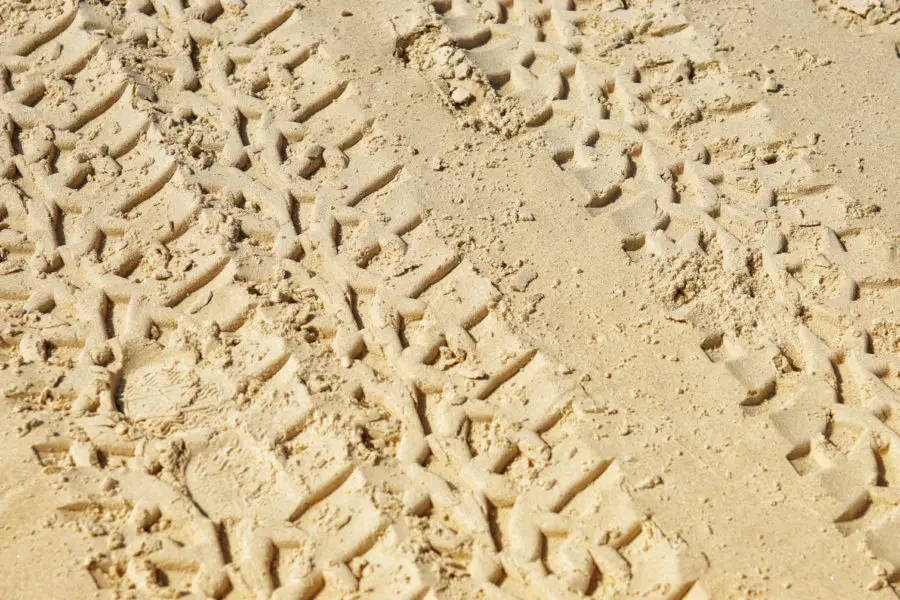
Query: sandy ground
449,299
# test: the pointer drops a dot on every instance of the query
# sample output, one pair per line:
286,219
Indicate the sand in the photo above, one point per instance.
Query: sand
449,299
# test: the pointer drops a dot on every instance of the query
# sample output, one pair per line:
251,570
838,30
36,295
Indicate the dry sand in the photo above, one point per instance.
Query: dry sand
449,299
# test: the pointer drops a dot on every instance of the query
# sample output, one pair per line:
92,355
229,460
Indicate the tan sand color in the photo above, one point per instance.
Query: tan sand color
448,299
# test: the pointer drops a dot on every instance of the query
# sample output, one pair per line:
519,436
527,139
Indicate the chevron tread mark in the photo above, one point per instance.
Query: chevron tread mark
219,232
714,204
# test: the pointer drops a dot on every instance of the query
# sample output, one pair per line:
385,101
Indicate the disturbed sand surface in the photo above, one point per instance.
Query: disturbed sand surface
449,299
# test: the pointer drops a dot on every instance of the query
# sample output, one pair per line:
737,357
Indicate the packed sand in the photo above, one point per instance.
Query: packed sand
449,299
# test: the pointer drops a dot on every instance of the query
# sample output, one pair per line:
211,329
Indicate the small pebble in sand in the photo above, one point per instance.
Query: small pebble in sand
460,96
